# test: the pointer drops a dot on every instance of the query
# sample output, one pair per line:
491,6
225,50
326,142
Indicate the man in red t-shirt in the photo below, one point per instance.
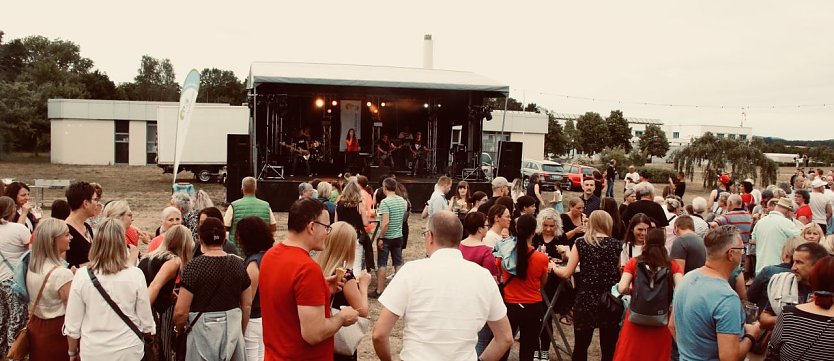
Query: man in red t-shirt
295,296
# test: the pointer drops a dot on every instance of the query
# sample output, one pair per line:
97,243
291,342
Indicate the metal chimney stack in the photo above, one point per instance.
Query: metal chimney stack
428,52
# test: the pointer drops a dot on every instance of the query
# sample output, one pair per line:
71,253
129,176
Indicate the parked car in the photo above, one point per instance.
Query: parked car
574,174
550,173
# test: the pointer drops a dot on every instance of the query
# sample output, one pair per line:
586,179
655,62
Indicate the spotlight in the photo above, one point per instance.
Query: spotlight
439,105
425,105
334,103
376,110
382,104
319,102
329,111
369,104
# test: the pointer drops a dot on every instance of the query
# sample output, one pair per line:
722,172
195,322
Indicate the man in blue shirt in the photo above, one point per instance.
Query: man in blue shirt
707,315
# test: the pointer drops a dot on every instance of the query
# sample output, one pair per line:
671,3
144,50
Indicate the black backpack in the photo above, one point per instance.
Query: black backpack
651,296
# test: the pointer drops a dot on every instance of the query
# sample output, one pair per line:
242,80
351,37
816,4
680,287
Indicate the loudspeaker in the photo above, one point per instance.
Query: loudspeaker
375,173
509,160
238,164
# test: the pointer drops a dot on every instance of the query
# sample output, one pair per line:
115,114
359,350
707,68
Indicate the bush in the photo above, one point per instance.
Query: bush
617,154
656,175
637,158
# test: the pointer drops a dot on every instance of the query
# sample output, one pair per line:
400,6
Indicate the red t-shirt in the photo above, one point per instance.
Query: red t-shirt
156,242
631,267
132,236
805,210
289,278
527,290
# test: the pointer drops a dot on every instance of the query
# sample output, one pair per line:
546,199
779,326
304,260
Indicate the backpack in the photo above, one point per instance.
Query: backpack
782,289
651,296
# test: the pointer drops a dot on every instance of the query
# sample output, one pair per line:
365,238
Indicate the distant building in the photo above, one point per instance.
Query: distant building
526,127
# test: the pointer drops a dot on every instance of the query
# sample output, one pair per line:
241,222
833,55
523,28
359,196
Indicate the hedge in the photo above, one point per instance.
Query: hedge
656,175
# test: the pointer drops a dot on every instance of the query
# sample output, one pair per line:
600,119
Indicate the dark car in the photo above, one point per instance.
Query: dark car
550,173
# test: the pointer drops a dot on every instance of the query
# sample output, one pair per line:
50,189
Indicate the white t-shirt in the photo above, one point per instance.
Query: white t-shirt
818,204
636,251
51,305
14,240
444,301
634,177
491,238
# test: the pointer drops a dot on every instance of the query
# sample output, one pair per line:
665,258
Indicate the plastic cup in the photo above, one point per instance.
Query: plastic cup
751,313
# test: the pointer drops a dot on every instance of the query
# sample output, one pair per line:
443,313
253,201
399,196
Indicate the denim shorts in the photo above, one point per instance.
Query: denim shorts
395,247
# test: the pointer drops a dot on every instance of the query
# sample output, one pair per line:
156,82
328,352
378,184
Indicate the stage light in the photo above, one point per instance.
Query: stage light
329,111
369,104
426,105
376,110
439,105
319,102
382,104
334,103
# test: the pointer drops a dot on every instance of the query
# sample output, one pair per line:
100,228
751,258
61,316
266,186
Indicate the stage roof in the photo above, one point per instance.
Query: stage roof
371,76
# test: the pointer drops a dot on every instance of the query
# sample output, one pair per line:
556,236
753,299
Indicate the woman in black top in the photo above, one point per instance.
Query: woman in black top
552,241
213,298
534,190
161,268
349,208
573,221
609,205
255,238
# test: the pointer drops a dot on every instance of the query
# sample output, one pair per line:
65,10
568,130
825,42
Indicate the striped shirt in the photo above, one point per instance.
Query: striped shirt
801,335
739,218
394,206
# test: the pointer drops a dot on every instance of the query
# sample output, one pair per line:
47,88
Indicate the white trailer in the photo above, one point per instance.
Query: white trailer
205,143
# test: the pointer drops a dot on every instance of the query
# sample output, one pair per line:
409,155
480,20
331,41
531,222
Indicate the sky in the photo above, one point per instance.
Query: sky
769,62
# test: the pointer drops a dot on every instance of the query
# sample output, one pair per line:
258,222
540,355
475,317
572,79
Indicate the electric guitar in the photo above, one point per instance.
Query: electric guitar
302,152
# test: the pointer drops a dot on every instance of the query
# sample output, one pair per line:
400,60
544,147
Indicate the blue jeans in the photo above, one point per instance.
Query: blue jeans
609,192
394,247
484,338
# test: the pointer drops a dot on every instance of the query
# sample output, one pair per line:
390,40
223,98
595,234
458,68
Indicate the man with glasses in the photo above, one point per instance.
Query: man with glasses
444,300
84,204
295,296
707,317
392,212
805,256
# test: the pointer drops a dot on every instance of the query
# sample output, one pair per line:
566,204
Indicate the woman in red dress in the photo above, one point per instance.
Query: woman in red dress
634,339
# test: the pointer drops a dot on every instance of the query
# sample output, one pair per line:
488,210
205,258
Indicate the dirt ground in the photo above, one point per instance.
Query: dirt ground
147,191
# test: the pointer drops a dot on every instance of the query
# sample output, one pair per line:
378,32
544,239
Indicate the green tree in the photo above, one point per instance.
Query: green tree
221,86
653,142
591,133
619,133
99,86
532,107
498,104
713,155
155,81
555,142
570,135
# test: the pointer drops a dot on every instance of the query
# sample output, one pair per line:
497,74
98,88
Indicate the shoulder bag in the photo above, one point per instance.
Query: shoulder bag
19,349
150,342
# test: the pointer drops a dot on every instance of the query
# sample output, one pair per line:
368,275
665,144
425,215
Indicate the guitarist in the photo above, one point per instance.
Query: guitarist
418,151
384,149
301,152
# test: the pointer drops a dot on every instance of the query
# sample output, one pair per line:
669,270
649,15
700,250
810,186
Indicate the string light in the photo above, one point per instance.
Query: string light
697,106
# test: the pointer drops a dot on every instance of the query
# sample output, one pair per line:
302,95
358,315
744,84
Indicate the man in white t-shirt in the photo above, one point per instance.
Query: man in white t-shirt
444,300
820,204
631,178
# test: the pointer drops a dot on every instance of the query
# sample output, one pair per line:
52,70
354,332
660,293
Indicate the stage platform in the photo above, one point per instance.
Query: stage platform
281,193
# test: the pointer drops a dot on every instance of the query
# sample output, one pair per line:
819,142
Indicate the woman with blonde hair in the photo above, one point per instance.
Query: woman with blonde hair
828,243
171,216
161,268
48,284
350,208
338,254
202,200
599,255
121,210
105,332
812,232
517,189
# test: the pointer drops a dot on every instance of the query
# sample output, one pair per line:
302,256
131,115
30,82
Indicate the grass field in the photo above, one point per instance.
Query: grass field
147,191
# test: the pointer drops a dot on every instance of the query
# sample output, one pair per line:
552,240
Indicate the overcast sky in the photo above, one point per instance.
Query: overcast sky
761,54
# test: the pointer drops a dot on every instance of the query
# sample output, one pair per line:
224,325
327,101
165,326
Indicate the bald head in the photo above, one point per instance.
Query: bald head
446,229
734,201
249,185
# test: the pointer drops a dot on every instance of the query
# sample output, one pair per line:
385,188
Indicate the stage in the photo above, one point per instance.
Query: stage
281,193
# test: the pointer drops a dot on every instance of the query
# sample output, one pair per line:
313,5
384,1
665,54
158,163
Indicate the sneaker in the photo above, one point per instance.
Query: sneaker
536,356
544,355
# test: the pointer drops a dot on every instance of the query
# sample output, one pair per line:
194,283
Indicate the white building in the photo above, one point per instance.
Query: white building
526,127
681,135
102,132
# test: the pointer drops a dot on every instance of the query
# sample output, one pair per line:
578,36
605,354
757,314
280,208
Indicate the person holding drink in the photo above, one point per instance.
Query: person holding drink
28,213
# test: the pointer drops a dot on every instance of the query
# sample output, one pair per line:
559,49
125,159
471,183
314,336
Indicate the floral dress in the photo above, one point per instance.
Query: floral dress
600,270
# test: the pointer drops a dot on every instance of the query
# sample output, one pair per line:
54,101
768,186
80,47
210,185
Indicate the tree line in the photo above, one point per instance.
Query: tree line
34,69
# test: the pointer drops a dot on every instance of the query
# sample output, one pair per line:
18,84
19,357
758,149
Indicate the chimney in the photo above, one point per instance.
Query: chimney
428,52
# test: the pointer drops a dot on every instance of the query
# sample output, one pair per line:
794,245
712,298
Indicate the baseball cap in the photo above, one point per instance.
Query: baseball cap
499,182
818,183
724,179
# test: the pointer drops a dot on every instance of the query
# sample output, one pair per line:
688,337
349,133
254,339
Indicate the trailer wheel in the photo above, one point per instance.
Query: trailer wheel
204,175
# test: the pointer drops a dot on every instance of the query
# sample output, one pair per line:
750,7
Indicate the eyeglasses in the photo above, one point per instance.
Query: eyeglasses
424,233
327,227
736,249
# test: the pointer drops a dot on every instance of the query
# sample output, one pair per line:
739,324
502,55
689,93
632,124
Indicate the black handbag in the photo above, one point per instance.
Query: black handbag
611,307
151,342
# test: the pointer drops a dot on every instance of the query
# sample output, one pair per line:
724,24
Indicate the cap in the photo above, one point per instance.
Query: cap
818,183
499,182
785,203
724,179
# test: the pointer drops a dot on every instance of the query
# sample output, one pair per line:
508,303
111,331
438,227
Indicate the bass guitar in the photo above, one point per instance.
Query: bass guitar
302,152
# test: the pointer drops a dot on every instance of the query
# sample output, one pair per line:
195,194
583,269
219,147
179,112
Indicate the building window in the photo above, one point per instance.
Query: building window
721,135
732,136
638,133
676,135
122,139
742,136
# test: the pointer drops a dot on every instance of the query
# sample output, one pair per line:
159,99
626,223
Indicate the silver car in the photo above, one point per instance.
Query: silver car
550,173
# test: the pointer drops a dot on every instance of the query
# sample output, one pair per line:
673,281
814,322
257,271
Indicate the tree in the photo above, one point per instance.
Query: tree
715,154
570,135
555,140
498,104
99,86
591,133
155,81
619,133
532,107
221,86
653,142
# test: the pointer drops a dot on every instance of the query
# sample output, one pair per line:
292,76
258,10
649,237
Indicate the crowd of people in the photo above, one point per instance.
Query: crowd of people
743,273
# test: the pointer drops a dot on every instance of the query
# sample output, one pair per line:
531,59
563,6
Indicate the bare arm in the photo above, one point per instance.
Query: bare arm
182,308
381,333
767,320
625,282
538,194
166,273
711,199
573,261
63,292
502,339
740,287
731,348
671,325
315,327
356,293
383,227
248,296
